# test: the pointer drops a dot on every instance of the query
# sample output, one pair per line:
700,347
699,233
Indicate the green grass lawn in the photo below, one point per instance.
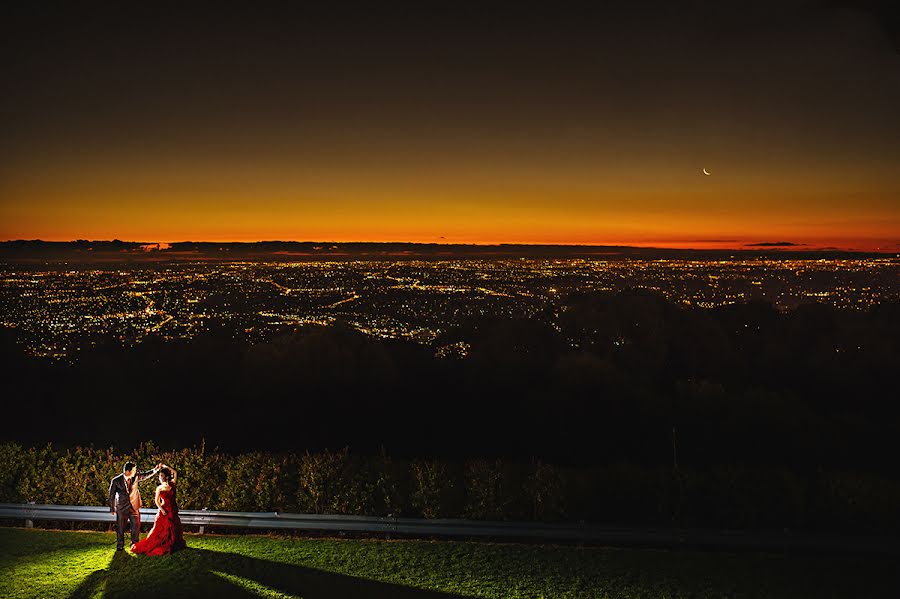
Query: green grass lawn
45,564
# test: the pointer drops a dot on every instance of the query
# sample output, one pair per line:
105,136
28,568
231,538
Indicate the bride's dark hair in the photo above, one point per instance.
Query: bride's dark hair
167,474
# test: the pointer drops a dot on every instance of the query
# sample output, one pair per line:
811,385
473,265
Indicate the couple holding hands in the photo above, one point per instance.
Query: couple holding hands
125,502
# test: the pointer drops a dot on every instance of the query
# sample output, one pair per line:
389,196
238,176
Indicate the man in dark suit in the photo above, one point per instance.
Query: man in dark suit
125,501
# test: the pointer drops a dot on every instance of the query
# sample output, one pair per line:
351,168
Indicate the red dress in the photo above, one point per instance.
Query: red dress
166,534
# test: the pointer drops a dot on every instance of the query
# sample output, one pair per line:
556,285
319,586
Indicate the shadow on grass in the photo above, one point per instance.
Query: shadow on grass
201,573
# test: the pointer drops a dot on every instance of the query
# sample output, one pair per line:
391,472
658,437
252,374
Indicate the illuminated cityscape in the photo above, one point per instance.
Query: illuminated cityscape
60,311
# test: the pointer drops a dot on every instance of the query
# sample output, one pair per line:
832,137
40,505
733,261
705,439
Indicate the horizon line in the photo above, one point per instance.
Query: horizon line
711,244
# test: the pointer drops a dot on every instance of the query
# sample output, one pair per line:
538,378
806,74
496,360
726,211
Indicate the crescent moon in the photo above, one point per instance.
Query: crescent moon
706,172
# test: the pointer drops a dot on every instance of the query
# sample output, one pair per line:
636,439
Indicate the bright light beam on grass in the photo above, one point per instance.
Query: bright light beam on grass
51,574
256,587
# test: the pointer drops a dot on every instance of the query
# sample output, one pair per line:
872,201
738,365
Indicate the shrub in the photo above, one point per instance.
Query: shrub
259,482
339,482
544,488
854,501
333,482
389,485
486,496
436,492
39,481
621,493
206,473
745,498
11,466
498,490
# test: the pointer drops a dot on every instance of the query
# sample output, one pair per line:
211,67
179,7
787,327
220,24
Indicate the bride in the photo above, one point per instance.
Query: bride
166,534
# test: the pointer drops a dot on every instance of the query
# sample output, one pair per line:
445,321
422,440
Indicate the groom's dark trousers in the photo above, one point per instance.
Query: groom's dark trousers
127,517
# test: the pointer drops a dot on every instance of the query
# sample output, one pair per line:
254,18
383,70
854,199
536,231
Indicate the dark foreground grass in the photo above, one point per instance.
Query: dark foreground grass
40,563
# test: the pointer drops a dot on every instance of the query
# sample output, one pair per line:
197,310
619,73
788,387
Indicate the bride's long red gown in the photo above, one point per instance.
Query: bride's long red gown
166,534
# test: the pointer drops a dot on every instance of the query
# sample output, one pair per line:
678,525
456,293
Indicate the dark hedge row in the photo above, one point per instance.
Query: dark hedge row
340,482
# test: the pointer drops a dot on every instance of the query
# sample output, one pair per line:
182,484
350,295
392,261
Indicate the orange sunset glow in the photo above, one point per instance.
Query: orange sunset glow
578,136
515,205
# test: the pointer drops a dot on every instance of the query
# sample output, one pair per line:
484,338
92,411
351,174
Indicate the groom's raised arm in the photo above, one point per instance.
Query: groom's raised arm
142,476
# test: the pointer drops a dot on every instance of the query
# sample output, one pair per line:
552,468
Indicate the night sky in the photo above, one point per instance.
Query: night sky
454,124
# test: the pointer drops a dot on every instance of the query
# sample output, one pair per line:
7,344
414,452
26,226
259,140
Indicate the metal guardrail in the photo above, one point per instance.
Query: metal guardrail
456,528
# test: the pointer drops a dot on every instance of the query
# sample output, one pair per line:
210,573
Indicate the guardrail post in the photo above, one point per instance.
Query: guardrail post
28,522
202,527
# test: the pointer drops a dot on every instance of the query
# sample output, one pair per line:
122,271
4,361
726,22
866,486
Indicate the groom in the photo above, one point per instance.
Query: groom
125,501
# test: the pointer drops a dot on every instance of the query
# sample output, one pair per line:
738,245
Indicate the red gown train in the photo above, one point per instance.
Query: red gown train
166,535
